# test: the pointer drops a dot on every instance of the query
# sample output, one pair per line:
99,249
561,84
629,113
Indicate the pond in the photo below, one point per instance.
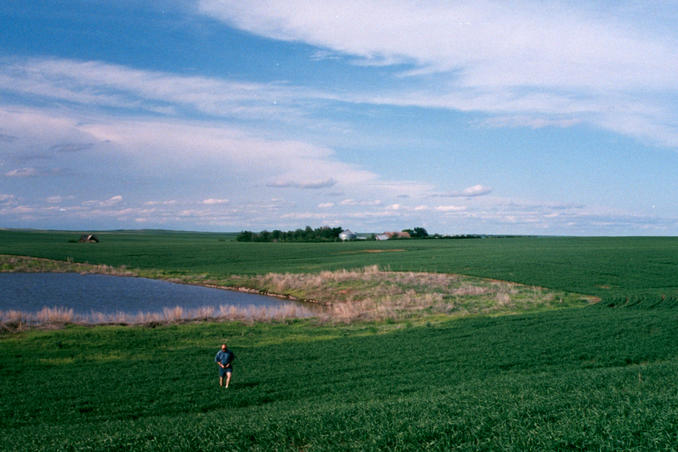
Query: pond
107,298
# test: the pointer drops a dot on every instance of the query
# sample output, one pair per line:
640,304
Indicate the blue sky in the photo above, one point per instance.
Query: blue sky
463,117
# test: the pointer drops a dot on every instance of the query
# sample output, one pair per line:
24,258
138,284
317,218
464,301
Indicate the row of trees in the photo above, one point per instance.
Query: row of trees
328,234
417,233
321,234
458,236
421,233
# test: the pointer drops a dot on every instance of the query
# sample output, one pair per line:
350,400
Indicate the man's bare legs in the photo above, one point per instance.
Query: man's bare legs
228,380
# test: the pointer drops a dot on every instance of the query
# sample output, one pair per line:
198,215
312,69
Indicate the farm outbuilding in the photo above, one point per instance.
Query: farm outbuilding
88,238
347,235
393,235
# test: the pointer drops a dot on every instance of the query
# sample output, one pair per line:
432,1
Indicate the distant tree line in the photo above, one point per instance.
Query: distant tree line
329,234
421,233
458,236
321,234
417,233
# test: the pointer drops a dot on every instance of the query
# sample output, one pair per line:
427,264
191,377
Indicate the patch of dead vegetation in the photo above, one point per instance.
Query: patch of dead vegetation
373,294
56,317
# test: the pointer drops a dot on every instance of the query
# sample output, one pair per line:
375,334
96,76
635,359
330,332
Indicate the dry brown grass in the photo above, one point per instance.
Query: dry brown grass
374,294
14,320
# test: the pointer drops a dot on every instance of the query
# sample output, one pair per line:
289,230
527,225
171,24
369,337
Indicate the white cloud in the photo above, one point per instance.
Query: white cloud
527,62
170,202
72,147
113,200
325,205
173,145
6,198
489,43
353,202
306,184
306,216
22,172
450,208
57,199
320,55
213,201
469,192
101,84
194,155
533,122
476,190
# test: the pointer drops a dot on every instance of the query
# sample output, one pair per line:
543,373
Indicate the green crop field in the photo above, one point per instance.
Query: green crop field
590,378
607,267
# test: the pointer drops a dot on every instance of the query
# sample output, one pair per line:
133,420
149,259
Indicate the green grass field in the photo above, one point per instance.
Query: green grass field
607,267
592,378
576,379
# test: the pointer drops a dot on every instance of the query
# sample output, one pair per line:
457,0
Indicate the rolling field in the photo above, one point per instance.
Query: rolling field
582,378
575,379
607,267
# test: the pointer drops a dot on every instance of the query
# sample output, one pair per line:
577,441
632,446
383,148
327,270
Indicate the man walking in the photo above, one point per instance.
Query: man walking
224,359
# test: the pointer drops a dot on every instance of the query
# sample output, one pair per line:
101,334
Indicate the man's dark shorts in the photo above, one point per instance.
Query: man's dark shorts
223,372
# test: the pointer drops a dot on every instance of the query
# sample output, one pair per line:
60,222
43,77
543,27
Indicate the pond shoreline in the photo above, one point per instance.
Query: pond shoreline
359,294
30,264
108,303
249,290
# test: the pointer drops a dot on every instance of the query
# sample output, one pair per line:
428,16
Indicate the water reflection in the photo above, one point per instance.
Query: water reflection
111,296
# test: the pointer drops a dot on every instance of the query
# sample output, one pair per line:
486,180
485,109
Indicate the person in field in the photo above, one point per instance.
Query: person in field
225,359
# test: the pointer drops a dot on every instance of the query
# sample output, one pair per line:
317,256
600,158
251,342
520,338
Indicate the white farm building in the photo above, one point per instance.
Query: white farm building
347,235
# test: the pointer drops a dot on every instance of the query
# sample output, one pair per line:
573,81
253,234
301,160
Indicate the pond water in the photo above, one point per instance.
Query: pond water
85,294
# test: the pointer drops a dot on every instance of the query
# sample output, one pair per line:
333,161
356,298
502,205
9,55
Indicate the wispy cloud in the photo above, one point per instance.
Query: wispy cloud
6,198
353,202
450,208
469,192
312,184
215,201
71,147
476,190
22,172
527,63
487,43
113,200
169,202
495,216
165,144
100,84
193,155
58,199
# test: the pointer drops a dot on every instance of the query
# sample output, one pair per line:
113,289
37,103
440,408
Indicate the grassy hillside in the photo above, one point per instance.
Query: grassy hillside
591,378
587,378
607,267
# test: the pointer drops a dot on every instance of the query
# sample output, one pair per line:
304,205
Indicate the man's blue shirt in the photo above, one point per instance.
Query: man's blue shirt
224,357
